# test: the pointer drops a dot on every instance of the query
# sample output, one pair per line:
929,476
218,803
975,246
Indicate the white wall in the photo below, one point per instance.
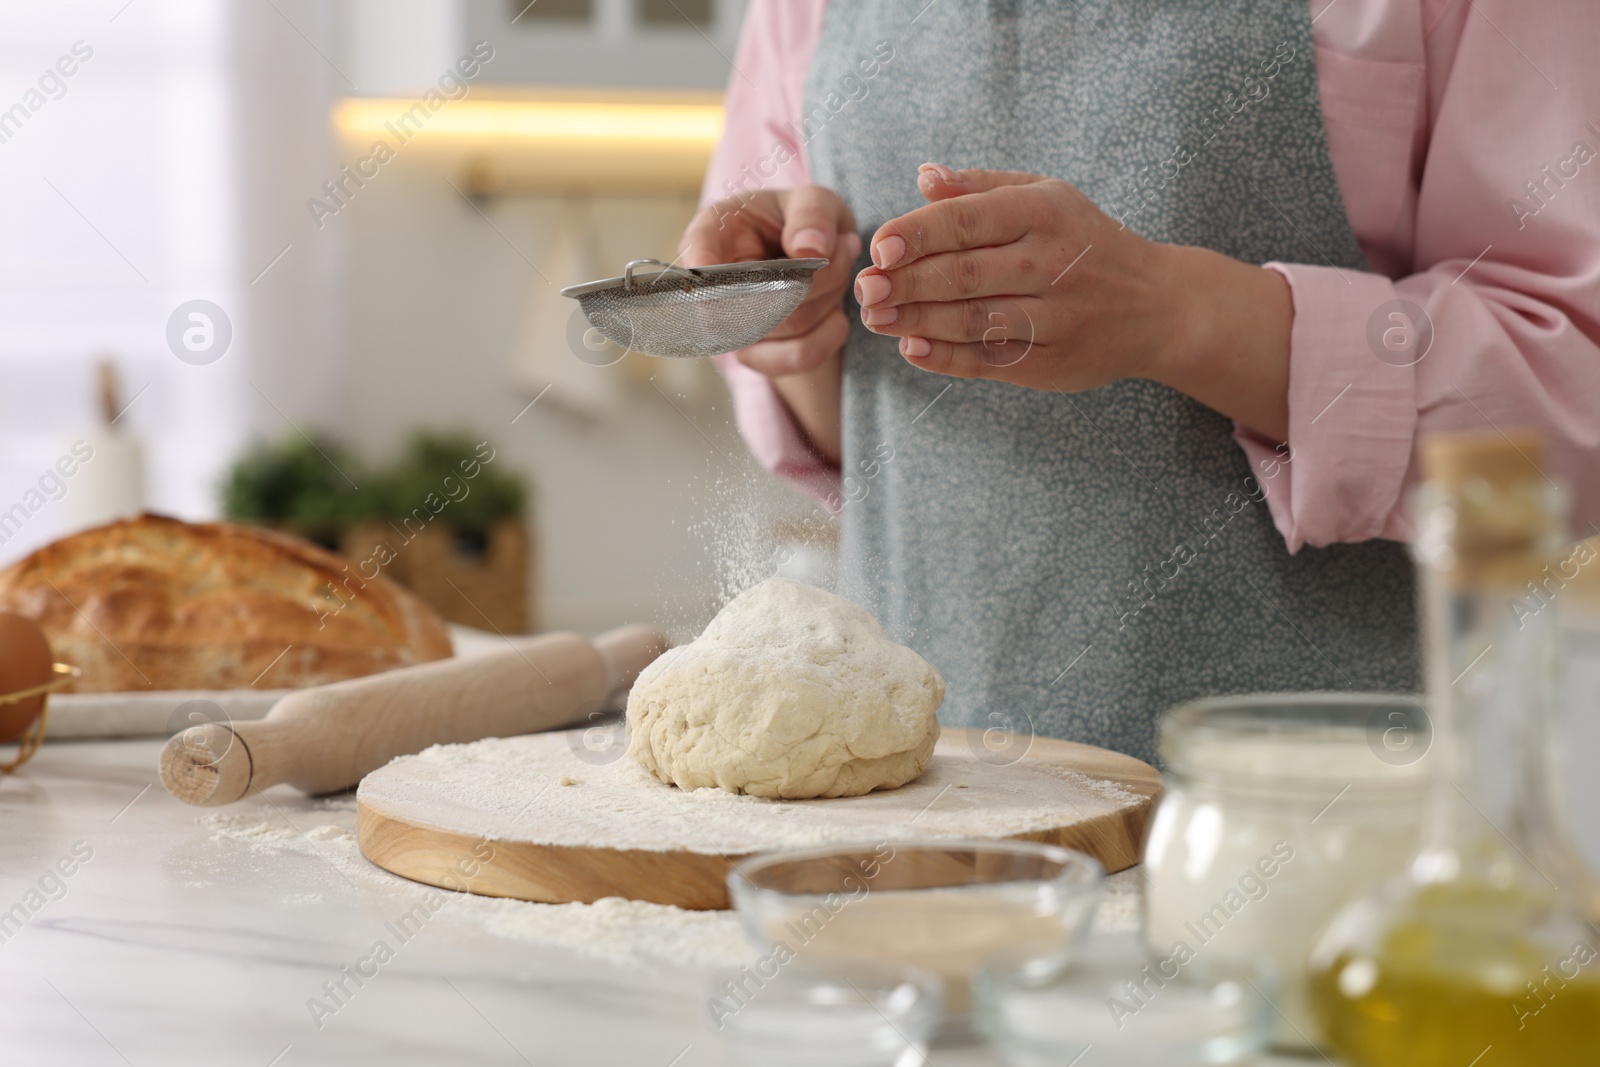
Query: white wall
171,168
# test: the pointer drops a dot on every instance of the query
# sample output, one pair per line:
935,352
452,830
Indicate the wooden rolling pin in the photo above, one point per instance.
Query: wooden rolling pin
327,738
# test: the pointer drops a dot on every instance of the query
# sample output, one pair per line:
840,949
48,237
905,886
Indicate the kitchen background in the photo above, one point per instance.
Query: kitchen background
185,158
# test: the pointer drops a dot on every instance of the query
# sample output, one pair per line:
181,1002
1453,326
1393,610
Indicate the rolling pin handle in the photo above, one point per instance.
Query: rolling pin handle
207,765
626,651
326,738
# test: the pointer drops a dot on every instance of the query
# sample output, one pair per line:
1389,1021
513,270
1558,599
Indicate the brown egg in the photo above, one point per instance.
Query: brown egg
24,663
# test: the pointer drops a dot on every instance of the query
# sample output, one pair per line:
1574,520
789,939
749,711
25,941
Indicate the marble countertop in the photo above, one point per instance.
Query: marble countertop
134,931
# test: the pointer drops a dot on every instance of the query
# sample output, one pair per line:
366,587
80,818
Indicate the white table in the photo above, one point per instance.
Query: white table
171,946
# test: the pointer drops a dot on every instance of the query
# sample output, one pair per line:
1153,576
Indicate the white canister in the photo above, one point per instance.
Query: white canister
108,485
1277,810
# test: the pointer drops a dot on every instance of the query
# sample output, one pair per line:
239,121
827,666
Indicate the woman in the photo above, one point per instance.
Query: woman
1135,314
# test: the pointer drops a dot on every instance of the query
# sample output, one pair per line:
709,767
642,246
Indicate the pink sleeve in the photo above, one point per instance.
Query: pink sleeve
760,151
1496,238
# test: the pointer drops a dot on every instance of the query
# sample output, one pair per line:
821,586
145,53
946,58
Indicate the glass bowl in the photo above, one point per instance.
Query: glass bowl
774,1013
1114,1003
944,907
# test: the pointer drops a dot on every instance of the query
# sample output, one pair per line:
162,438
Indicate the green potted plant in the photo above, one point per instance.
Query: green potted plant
448,519
300,486
455,517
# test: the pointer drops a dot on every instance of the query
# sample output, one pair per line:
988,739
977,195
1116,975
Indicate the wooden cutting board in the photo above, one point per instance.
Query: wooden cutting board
566,816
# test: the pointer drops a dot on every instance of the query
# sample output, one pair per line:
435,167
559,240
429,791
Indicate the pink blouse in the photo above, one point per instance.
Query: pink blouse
1464,135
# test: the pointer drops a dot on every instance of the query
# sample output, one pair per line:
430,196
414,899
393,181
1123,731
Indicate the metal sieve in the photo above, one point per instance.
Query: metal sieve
687,312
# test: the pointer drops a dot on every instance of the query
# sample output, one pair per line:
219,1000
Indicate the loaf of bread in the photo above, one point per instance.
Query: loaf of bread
154,603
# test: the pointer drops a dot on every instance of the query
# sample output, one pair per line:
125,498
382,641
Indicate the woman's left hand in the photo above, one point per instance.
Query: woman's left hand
1019,278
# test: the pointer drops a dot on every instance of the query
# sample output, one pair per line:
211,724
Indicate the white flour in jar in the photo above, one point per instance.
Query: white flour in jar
1252,861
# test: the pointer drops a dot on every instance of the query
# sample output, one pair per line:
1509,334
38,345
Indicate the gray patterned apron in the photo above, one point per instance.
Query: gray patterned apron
1079,564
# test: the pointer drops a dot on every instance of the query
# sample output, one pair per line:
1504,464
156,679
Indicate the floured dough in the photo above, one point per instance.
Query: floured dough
790,692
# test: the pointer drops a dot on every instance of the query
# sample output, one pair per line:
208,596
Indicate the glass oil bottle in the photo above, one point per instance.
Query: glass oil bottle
1484,953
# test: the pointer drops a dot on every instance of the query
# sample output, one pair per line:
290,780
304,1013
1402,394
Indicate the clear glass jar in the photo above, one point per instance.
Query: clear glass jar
1485,950
1277,810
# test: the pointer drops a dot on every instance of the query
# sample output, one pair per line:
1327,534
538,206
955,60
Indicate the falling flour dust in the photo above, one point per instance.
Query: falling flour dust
750,529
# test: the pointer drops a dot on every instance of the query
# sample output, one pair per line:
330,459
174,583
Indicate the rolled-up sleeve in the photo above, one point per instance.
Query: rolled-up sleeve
759,150
1496,327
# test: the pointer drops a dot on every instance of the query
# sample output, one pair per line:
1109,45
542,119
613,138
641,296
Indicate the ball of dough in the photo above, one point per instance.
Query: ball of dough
790,692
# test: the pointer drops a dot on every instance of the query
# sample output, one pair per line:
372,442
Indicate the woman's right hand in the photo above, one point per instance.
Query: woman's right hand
800,223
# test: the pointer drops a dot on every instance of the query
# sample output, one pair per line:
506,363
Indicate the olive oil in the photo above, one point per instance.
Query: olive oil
1463,975
1483,955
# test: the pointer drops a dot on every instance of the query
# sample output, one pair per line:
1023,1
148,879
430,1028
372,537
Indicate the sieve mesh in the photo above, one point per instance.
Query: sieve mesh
686,314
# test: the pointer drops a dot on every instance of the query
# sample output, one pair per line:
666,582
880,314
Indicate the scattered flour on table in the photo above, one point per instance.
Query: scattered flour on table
626,934
241,827
269,826
329,833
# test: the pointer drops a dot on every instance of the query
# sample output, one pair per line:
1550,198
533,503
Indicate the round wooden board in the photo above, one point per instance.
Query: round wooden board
436,836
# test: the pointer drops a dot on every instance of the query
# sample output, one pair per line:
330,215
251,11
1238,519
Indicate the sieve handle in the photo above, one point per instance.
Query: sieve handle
627,272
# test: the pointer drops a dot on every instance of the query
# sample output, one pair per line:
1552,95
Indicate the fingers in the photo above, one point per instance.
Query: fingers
827,290
731,231
1001,271
938,182
804,222
964,359
995,217
995,323
796,355
814,220
809,221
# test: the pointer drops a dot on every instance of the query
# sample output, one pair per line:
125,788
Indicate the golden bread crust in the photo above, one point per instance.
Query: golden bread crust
155,603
